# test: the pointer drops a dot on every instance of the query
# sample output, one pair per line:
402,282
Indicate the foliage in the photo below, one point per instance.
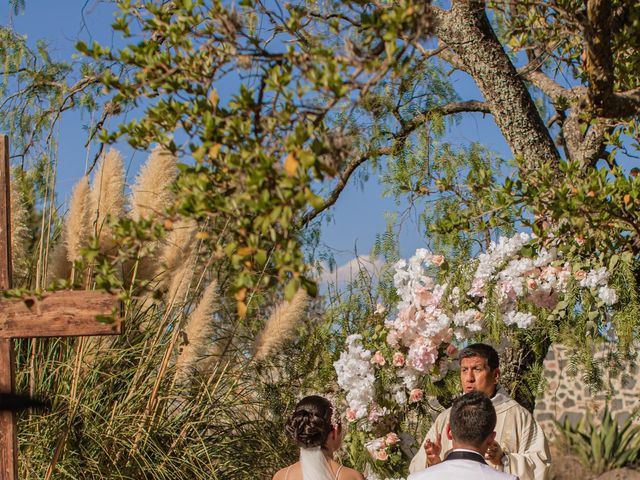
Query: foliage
274,110
391,369
256,154
602,445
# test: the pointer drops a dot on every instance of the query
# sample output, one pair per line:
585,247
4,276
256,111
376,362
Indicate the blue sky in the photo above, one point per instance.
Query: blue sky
357,216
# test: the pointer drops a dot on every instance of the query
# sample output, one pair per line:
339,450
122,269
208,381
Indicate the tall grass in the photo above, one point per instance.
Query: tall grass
178,394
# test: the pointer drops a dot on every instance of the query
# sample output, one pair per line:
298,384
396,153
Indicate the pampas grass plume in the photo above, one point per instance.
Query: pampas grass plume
107,193
19,234
151,192
280,325
198,332
176,249
58,266
180,282
78,224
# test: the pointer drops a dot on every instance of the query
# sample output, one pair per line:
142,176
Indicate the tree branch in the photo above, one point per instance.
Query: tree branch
623,104
599,59
447,109
406,129
342,182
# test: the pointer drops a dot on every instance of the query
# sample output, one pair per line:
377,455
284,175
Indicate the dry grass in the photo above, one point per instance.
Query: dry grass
19,235
151,194
281,325
198,333
58,265
78,224
107,196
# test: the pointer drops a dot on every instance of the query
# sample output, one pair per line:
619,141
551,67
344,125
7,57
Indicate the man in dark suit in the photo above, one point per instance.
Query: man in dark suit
471,429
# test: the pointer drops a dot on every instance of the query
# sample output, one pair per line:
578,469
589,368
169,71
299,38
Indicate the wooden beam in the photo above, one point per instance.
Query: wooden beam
60,314
8,427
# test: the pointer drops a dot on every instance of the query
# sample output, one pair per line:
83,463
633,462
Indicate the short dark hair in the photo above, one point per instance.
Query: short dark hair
310,424
481,350
472,418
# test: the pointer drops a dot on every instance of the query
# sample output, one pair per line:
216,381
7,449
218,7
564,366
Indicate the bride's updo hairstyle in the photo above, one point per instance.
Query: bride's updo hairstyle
310,424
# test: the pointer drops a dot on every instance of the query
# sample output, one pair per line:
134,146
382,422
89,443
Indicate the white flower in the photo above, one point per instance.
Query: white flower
595,278
380,309
608,295
409,377
399,394
355,375
522,319
454,297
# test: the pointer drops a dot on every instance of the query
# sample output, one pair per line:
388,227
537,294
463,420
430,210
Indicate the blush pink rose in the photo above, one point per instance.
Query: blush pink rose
580,275
437,260
350,414
451,350
392,438
378,359
382,455
415,395
531,284
398,359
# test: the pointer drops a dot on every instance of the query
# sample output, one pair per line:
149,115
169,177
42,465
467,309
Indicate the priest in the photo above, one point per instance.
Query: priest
520,447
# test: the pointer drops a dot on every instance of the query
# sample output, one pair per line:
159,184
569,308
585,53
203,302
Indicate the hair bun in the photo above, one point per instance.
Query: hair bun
307,429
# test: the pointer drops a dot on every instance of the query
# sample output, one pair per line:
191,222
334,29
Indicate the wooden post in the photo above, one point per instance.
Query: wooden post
8,427
62,314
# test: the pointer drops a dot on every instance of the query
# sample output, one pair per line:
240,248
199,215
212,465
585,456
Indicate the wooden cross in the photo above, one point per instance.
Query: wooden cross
57,314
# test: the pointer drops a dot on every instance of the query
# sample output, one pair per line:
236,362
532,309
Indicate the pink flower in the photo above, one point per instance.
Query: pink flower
531,284
425,296
392,439
351,415
544,298
579,239
382,455
415,395
398,359
422,355
378,359
392,338
437,260
580,275
451,350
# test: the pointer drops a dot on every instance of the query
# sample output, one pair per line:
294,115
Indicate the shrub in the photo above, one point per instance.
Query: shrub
604,445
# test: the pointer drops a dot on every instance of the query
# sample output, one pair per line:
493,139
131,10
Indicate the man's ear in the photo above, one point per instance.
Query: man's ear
449,435
496,375
492,437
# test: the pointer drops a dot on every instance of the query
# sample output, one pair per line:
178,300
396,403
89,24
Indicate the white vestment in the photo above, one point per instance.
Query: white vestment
519,435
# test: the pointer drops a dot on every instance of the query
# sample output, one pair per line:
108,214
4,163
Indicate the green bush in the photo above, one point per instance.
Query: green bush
604,445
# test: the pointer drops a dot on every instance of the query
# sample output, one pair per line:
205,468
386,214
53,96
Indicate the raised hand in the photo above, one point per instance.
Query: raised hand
494,453
433,450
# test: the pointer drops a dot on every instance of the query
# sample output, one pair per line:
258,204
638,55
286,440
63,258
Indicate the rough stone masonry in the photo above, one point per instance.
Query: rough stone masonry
568,396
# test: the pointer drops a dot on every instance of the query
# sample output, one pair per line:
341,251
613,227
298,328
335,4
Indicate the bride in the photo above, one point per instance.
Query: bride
315,428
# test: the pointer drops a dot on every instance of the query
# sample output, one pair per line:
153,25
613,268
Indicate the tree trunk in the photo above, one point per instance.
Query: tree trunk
467,31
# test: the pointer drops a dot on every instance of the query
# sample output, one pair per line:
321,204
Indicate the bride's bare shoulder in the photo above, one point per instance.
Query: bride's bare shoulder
282,473
350,474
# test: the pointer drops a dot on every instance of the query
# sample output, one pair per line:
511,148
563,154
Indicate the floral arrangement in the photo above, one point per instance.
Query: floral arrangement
509,283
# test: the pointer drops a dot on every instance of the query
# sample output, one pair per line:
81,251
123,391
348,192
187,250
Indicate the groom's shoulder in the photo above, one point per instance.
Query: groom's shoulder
460,470
434,471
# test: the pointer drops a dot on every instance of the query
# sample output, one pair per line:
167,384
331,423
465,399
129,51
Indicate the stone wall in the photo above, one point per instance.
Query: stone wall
568,396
